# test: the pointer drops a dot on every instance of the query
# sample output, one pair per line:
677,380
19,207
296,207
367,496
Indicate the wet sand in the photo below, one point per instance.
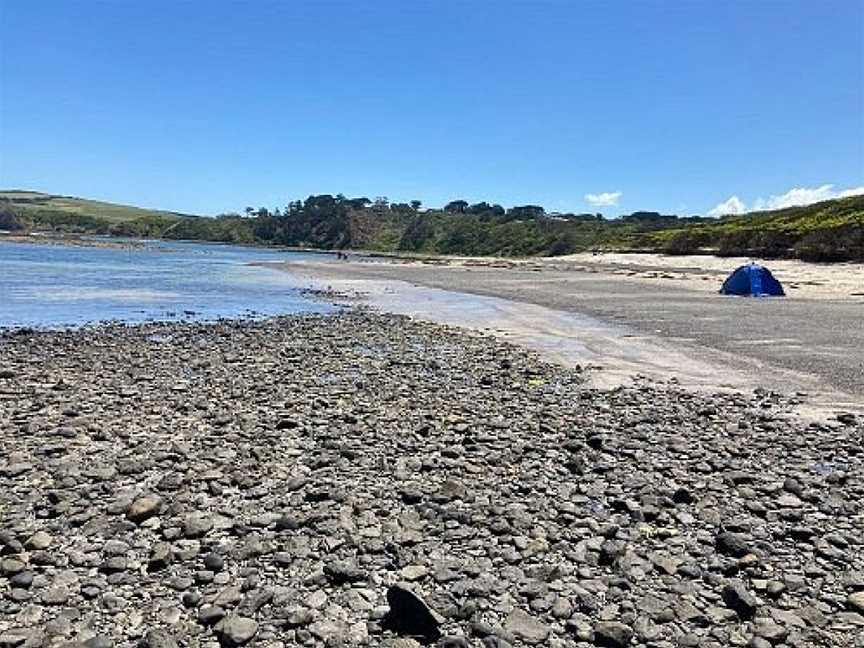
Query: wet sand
630,325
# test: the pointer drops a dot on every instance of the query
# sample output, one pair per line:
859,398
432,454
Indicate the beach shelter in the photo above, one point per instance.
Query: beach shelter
754,280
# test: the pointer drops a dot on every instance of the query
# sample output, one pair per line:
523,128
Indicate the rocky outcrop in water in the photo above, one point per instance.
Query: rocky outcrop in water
368,480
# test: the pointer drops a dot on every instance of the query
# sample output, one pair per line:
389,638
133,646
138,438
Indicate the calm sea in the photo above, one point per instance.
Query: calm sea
55,285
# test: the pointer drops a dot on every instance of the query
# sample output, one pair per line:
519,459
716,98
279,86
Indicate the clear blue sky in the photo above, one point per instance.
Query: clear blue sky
211,106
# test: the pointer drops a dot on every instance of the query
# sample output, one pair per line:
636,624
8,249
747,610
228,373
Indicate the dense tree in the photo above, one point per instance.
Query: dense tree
526,211
456,206
358,203
10,219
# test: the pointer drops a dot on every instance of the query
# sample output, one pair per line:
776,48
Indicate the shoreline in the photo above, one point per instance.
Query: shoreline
570,335
801,276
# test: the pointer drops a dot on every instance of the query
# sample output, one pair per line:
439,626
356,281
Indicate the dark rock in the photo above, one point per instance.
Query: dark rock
732,544
22,579
214,562
737,598
454,642
158,638
410,615
210,615
99,641
495,642
160,556
612,635
13,638
343,572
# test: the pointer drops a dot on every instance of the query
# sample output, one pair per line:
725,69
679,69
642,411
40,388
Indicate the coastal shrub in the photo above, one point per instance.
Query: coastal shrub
563,244
66,221
839,244
10,219
417,234
684,242
768,244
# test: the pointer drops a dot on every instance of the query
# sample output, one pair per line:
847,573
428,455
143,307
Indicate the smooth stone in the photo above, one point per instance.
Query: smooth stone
526,627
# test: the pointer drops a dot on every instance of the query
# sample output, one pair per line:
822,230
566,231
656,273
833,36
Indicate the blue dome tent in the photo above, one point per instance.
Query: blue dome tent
752,279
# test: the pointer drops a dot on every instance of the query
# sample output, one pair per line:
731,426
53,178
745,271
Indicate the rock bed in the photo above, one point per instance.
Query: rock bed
365,479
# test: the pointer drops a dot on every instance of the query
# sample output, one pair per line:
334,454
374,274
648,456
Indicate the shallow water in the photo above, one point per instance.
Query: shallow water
55,285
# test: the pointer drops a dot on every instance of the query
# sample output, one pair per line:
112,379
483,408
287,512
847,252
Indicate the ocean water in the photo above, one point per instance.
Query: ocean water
57,286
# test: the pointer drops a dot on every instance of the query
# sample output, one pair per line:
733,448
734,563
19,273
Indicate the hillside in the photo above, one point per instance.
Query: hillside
34,210
827,231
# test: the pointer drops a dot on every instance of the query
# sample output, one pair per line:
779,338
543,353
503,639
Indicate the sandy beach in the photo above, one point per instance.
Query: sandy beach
639,314
694,272
464,455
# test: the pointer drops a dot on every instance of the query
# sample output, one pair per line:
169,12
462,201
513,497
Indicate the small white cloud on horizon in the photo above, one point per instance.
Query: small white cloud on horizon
734,205
795,197
605,199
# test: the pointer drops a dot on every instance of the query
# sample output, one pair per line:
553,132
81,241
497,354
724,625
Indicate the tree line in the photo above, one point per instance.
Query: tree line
827,231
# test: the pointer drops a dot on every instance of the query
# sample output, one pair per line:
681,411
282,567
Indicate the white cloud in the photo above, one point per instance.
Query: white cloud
732,206
606,199
854,191
795,197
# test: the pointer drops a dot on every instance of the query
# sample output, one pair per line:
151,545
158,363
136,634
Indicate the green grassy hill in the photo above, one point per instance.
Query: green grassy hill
832,230
111,212
30,210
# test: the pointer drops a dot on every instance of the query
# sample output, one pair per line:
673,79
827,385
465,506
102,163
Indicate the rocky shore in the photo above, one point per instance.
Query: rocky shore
364,479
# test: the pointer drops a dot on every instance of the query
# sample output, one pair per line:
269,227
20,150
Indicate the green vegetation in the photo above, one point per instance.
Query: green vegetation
30,210
337,222
29,202
829,231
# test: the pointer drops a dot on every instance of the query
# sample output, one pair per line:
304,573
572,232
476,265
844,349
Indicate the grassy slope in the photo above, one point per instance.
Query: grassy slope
829,225
32,201
792,220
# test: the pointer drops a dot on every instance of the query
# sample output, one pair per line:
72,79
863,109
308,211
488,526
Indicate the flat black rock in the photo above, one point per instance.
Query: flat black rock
410,615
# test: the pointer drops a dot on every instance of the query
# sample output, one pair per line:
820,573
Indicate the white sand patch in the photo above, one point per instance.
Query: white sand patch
701,273
800,278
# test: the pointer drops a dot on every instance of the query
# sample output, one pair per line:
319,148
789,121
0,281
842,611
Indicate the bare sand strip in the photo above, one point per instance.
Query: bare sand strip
617,353
802,280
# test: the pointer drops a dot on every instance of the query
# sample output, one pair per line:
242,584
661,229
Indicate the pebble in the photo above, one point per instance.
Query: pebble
236,630
144,508
366,479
